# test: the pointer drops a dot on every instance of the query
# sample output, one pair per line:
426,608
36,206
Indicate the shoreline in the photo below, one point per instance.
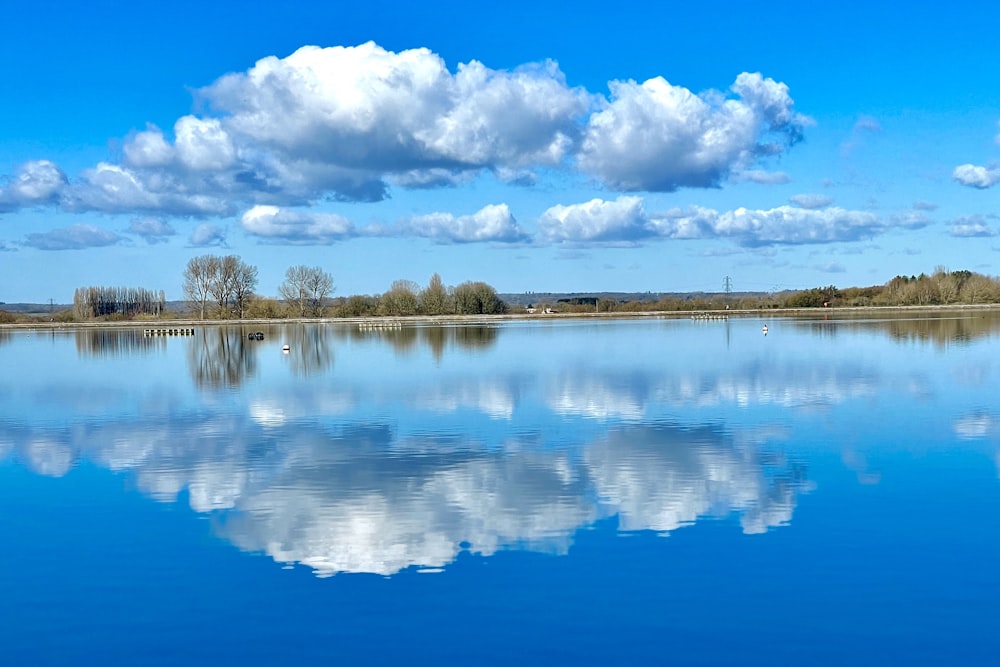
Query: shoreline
423,320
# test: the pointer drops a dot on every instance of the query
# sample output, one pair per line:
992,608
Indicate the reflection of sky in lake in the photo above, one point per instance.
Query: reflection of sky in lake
398,451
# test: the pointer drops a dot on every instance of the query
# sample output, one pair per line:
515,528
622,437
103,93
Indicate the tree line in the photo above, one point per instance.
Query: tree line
941,288
117,302
224,288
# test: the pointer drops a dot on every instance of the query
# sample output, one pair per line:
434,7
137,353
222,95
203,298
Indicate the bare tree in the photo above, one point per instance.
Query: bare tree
306,289
199,277
319,286
228,281
222,286
244,282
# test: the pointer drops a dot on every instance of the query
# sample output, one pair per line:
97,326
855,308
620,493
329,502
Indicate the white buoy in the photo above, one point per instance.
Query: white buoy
285,348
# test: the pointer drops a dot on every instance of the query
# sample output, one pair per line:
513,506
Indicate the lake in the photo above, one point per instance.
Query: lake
585,492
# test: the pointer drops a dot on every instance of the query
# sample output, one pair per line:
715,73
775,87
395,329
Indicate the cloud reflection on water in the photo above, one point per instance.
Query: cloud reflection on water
377,464
361,499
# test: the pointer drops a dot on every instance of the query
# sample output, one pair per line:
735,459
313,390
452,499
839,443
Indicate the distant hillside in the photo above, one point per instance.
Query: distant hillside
535,298
34,308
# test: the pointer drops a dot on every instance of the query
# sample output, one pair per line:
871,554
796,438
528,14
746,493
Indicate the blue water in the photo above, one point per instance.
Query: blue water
531,493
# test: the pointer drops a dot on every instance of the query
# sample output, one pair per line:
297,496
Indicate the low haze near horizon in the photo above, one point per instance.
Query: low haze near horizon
535,146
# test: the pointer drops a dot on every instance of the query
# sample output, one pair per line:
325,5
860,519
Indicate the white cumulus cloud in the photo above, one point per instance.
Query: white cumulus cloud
660,137
625,220
36,182
277,225
368,108
621,221
976,176
350,122
493,223
203,144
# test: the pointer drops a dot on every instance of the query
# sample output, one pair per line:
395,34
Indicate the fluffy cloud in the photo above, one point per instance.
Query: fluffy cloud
276,225
347,122
621,221
626,221
811,201
36,182
493,223
659,137
112,188
367,109
977,177
75,237
789,225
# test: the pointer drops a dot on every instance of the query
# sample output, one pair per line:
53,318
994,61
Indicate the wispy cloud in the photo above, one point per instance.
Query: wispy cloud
208,235
971,227
811,201
831,267
153,230
763,177
865,125
74,237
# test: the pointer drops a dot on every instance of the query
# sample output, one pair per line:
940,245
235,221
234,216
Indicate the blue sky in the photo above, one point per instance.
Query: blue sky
537,146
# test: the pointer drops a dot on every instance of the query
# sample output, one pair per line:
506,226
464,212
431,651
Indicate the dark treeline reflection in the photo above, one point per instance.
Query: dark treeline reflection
226,356
361,498
940,330
407,339
222,355
116,342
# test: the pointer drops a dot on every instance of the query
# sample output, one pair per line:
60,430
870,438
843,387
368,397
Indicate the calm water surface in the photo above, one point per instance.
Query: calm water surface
588,493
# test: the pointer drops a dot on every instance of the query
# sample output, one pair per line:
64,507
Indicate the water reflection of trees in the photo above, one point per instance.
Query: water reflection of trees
940,330
226,356
310,348
117,342
404,339
221,356
360,498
